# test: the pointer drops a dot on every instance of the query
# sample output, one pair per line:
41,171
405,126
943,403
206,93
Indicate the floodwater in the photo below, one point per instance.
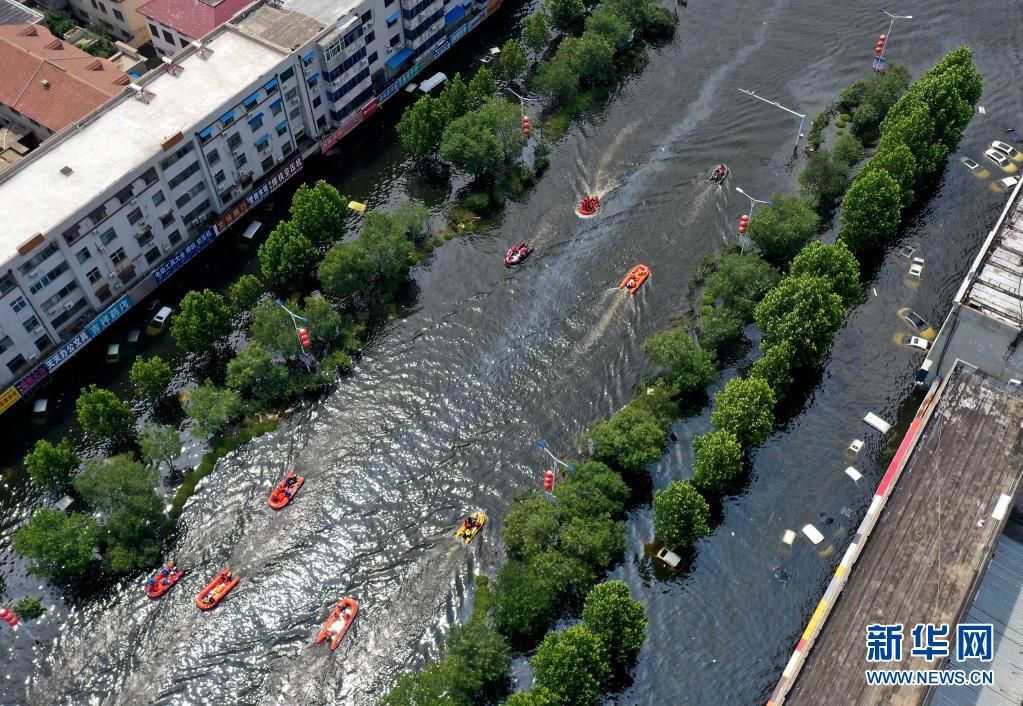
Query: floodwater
442,410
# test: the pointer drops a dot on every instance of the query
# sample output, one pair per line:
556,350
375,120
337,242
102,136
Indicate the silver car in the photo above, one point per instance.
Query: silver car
1005,148
998,158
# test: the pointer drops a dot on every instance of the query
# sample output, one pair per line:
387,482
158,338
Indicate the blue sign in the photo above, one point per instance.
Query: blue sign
442,46
884,643
175,263
975,641
66,351
111,314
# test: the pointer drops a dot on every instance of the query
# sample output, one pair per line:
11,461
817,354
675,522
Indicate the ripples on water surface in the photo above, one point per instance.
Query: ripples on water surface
439,416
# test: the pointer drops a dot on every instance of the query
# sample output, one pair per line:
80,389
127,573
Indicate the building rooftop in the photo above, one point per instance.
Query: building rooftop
14,13
933,538
284,28
51,81
997,288
192,18
326,11
39,197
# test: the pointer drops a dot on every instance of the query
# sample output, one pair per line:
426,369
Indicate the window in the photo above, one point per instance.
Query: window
118,256
187,172
287,149
227,118
94,5
233,141
107,236
16,363
251,101
213,157
198,211
5,344
366,17
219,177
167,37
166,219
393,19
103,8
395,39
83,255
240,160
370,36
289,73
174,238
42,342
183,42
18,304
263,143
308,58
206,134
316,102
171,159
291,94
31,324
271,87
118,15
37,259
6,283
373,58
158,198
75,308
321,122
153,31
282,128
153,255
388,3
313,80
135,216
277,106
256,122
267,164
94,275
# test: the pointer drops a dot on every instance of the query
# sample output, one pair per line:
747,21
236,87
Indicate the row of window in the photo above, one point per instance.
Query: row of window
169,161
103,8
348,85
167,36
44,281
187,172
426,26
415,10
345,65
341,43
37,259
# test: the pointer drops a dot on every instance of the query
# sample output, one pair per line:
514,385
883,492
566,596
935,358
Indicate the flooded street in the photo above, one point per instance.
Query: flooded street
441,412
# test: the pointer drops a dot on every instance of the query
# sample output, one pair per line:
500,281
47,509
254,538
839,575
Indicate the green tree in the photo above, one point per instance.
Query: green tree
598,541
456,99
28,608
911,123
150,377
388,245
52,466
114,483
253,372
505,120
439,684
565,15
571,666
536,34
824,180
897,160
595,57
211,408
421,126
537,696
482,88
103,416
325,323
273,328
834,263
471,145
517,612
319,212
346,269
59,22
482,655
720,329
782,229
558,80
745,407
689,368
410,217
636,12
681,515
804,311
160,443
613,28
870,212
245,293
590,490
847,149
618,620
512,60
718,462
287,256
633,438
203,322
740,282
530,526
775,368
57,546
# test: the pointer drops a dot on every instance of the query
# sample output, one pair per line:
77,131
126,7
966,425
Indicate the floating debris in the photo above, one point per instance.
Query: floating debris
825,519
878,423
788,538
780,574
813,534
856,446
853,473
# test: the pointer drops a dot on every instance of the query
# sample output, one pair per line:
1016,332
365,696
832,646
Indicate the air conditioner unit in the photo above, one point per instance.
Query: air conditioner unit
134,202
115,285
33,274
368,24
390,50
69,306
95,231
36,331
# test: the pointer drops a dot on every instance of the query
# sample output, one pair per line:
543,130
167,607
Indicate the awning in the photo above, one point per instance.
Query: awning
254,98
255,118
454,15
271,85
396,60
206,133
276,102
309,57
262,141
394,18
282,124
311,80
227,117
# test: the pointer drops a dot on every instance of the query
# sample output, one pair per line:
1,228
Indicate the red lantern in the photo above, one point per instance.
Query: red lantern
548,480
881,41
743,225
9,617
525,125
303,336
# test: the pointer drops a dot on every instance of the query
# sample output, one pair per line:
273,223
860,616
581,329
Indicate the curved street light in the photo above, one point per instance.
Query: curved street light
888,36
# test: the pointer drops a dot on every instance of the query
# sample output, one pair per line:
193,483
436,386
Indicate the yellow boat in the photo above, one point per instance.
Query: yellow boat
469,533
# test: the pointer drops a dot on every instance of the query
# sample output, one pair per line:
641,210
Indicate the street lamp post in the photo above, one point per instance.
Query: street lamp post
752,205
776,104
888,36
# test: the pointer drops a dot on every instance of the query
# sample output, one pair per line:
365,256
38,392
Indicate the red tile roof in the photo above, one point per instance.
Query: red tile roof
51,81
192,18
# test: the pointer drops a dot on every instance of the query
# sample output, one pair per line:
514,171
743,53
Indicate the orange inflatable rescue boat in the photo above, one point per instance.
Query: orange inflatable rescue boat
216,590
635,279
285,490
341,618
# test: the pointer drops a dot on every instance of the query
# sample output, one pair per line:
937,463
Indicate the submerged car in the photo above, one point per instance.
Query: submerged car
970,164
1005,184
999,159
916,342
1005,148
917,323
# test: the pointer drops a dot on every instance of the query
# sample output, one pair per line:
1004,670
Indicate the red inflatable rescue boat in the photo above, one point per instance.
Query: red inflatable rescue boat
159,583
339,621
216,590
635,279
517,254
285,491
588,206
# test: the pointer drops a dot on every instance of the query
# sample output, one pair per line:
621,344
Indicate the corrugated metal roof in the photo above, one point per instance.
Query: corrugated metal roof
14,13
997,289
999,601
